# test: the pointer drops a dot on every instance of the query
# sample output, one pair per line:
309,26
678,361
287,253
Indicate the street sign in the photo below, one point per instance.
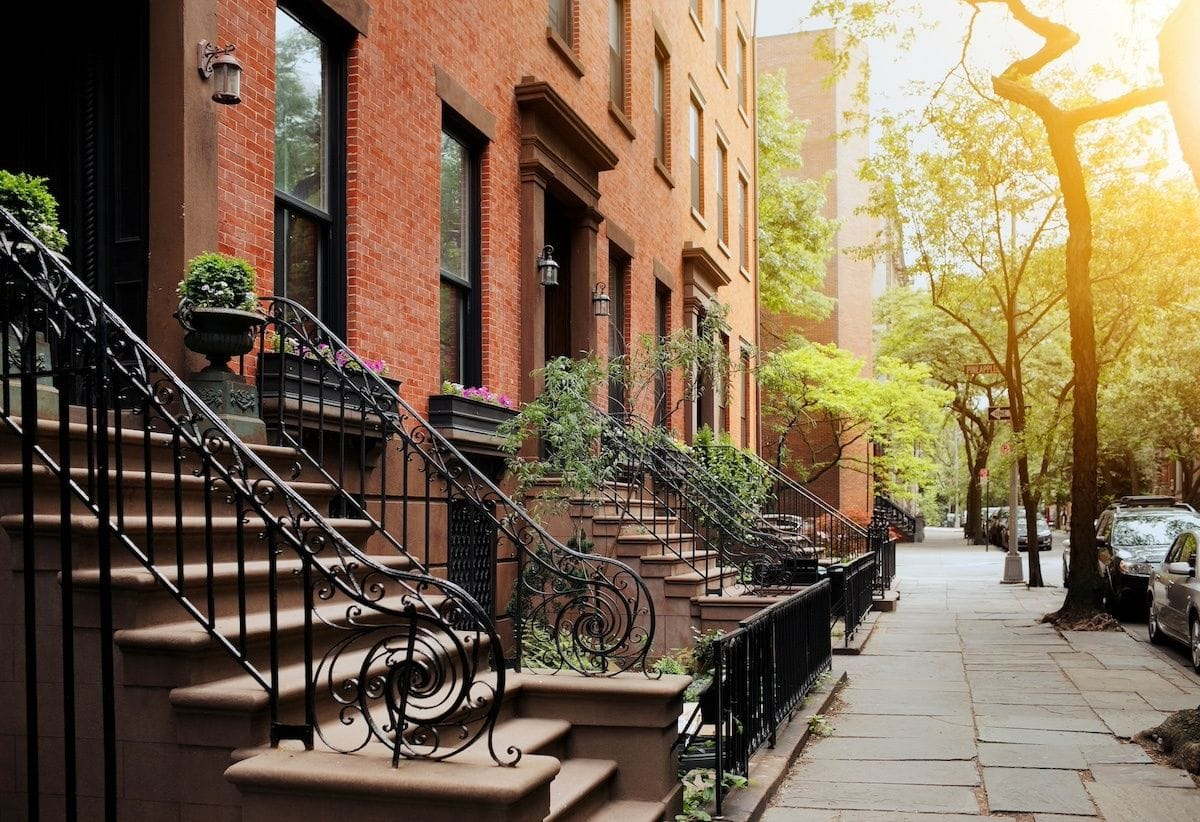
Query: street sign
1005,449
977,368
1000,412
983,473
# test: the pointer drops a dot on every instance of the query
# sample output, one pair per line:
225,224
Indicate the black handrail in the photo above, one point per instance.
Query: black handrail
597,611
674,478
811,524
139,468
888,511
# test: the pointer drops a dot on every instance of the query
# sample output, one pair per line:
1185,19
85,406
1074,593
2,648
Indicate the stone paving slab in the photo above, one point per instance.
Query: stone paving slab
1134,803
1001,755
867,748
1128,754
1058,817
1040,717
1126,724
1150,776
1139,681
1025,736
779,814
803,793
883,772
1012,696
863,700
868,725
1029,790
1117,701
871,816
1171,702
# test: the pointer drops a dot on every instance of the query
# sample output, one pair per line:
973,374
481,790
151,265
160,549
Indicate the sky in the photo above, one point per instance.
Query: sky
1111,30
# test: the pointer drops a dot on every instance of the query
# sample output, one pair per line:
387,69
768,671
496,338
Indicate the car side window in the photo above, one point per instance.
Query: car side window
1187,551
1176,549
1104,527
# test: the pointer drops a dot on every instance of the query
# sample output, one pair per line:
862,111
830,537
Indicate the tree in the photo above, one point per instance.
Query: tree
795,239
816,393
1062,124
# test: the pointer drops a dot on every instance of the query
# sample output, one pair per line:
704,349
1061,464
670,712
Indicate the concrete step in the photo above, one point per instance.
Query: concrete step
694,584
672,565
580,789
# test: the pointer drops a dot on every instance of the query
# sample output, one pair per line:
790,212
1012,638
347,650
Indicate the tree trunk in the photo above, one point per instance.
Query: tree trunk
1179,61
975,525
1030,503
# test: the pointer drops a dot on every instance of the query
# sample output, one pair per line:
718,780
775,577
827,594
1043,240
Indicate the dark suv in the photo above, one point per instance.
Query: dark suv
1132,537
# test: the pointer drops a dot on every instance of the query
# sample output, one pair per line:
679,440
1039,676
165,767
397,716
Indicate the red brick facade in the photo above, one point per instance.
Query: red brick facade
394,116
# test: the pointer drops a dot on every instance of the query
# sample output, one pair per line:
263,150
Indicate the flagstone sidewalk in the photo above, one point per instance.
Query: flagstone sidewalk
962,706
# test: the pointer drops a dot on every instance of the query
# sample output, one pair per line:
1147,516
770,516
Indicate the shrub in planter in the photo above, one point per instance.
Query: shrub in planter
218,307
29,200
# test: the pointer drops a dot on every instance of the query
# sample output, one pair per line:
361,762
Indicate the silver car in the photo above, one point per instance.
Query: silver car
1175,596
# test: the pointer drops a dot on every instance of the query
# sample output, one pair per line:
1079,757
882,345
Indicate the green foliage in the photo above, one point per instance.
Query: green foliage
819,725
700,790
670,664
217,281
541,648
748,479
29,200
795,238
812,391
569,428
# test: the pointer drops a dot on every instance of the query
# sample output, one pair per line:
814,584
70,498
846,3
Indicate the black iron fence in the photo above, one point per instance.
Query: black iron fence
856,582
762,672
884,547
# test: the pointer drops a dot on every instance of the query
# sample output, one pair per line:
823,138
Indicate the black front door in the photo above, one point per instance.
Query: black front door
78,110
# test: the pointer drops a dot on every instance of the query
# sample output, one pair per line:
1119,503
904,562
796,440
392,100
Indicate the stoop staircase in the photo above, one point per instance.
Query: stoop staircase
197,634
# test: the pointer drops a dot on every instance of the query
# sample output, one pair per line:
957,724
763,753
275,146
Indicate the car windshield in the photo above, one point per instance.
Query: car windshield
1042,527
1135,530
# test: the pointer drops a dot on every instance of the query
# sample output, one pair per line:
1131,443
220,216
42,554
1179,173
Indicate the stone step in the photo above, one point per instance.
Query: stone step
630,810
143,600
693,584
580,789
190,538
318,786
132,492
672,565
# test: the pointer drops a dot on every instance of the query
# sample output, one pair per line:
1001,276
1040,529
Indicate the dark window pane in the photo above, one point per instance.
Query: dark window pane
560,18
301,139
452,307
660,108
455,229
617,286
301,261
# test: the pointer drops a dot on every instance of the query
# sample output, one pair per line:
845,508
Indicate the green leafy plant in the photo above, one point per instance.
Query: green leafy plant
819,725
29,200
700,789
217,281
748,479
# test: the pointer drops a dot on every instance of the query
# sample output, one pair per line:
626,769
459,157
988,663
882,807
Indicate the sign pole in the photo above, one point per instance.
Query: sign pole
1013,575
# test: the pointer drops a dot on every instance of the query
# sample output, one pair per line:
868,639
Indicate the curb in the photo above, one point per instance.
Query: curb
770,766
860,638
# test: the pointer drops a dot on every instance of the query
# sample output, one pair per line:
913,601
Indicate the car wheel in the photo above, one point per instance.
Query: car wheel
1195,632
1152,629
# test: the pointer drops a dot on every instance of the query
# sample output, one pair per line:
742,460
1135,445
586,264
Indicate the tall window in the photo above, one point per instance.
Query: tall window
722,423
309,169
743,226
662,327
459,329
661,110
719,30
722,172
616,53
695,135
560,20
618,288
741,71
696,10
746,399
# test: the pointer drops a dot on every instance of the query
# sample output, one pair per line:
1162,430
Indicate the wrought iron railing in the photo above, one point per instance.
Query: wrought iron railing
763,671
125,474
665,479
886,511
811,525
884,546
430,503
853,592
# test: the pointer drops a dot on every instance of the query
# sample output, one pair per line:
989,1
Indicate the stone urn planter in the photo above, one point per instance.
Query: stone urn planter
220,333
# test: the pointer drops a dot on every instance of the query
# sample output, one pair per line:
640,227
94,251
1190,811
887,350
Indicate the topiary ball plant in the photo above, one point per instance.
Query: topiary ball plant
217,281
29,200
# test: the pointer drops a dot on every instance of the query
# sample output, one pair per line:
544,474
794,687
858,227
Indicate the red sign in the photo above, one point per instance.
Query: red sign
983,473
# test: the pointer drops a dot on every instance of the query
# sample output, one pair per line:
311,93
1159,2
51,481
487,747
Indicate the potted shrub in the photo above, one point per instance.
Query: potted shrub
218,308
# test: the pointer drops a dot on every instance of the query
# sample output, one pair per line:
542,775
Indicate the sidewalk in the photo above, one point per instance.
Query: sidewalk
962,706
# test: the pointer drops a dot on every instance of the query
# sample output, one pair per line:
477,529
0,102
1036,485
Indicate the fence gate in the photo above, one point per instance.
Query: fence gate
471,558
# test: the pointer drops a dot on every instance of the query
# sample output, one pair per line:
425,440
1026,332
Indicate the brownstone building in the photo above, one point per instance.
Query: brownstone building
849,279
399,169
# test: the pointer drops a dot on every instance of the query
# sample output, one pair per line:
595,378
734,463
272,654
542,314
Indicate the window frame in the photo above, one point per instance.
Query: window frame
740,69
564,29
721,178
618,59
696,154
619,279
719,15
662,104
743,222
332,279
471,324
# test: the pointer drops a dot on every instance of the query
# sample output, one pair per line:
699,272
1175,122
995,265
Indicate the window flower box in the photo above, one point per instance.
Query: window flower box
284,375
468,418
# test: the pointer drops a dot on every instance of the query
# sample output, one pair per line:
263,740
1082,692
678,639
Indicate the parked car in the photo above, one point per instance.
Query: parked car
996,518
1173,598
1045,540
1131,540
